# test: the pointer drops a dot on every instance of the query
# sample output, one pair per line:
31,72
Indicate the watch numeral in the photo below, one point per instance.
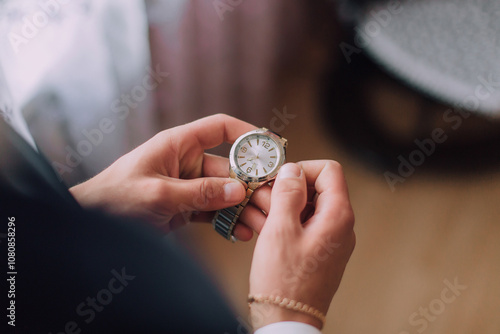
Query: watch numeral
271,164
244,149
266,144
249,170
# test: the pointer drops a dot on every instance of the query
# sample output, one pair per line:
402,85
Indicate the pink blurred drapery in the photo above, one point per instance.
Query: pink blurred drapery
236,57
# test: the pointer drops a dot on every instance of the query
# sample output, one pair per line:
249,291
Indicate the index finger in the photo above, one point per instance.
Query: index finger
333,210
312,170
214,130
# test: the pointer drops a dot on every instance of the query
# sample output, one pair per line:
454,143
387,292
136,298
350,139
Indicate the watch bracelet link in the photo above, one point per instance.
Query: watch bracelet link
225,219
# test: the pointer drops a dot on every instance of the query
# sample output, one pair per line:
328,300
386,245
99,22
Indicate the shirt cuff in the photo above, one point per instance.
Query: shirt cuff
288,327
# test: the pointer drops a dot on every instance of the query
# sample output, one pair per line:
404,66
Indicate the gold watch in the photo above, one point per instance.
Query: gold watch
255,159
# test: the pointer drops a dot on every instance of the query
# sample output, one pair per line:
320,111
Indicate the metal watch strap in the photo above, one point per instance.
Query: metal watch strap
225,219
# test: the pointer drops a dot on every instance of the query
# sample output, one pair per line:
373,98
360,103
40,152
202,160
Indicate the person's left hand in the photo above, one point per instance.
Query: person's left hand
170,176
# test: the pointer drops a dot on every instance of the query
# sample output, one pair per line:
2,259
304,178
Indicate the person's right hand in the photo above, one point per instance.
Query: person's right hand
297,257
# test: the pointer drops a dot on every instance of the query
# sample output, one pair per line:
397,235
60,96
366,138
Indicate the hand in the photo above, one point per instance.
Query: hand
167,178
298,255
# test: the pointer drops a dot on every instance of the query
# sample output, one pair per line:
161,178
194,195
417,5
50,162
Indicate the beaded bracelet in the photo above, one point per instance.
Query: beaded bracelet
288,304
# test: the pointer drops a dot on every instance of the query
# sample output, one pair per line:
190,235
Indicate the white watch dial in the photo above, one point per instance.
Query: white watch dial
257,155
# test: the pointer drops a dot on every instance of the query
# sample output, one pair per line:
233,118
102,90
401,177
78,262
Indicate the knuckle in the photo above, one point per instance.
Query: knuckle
335,165
353,241
292,191
155,194
207,192
292,187
169,140
348,218
294,196
220,115
345,218
349,243
156,189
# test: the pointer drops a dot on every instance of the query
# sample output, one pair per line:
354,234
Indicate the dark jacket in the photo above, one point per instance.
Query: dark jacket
79,271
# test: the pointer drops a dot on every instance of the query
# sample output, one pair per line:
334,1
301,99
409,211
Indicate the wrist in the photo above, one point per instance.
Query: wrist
266,314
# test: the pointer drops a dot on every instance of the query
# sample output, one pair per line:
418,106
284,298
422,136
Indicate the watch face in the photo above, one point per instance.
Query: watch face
257,156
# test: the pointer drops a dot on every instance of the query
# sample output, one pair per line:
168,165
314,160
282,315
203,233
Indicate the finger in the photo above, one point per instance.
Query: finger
215,166
311,190
311,194
241,231
261,198
253,217
307,213
214,130
202,194
288,197
332,208
313,168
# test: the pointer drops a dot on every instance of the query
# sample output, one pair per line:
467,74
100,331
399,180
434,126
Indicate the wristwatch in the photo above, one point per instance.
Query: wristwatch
255,159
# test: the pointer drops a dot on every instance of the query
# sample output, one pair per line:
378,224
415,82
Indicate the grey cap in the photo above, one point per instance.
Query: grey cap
449,49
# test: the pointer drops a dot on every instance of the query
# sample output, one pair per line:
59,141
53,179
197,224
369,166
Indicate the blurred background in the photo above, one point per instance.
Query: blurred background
404,94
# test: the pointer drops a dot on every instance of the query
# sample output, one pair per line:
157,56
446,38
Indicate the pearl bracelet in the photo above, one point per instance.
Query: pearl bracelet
289,304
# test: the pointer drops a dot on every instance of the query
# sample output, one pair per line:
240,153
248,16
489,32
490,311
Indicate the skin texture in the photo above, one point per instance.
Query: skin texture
174,177
169,177
323,240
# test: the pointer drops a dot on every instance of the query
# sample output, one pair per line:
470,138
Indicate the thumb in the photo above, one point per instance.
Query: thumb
206,194
289,195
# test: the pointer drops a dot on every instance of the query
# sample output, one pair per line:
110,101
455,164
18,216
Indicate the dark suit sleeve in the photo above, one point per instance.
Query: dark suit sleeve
85,272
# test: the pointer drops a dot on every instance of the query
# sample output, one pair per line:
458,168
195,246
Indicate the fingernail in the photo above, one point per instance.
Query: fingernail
231,190
289,170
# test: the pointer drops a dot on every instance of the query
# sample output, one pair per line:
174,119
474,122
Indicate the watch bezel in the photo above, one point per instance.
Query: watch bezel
281,146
